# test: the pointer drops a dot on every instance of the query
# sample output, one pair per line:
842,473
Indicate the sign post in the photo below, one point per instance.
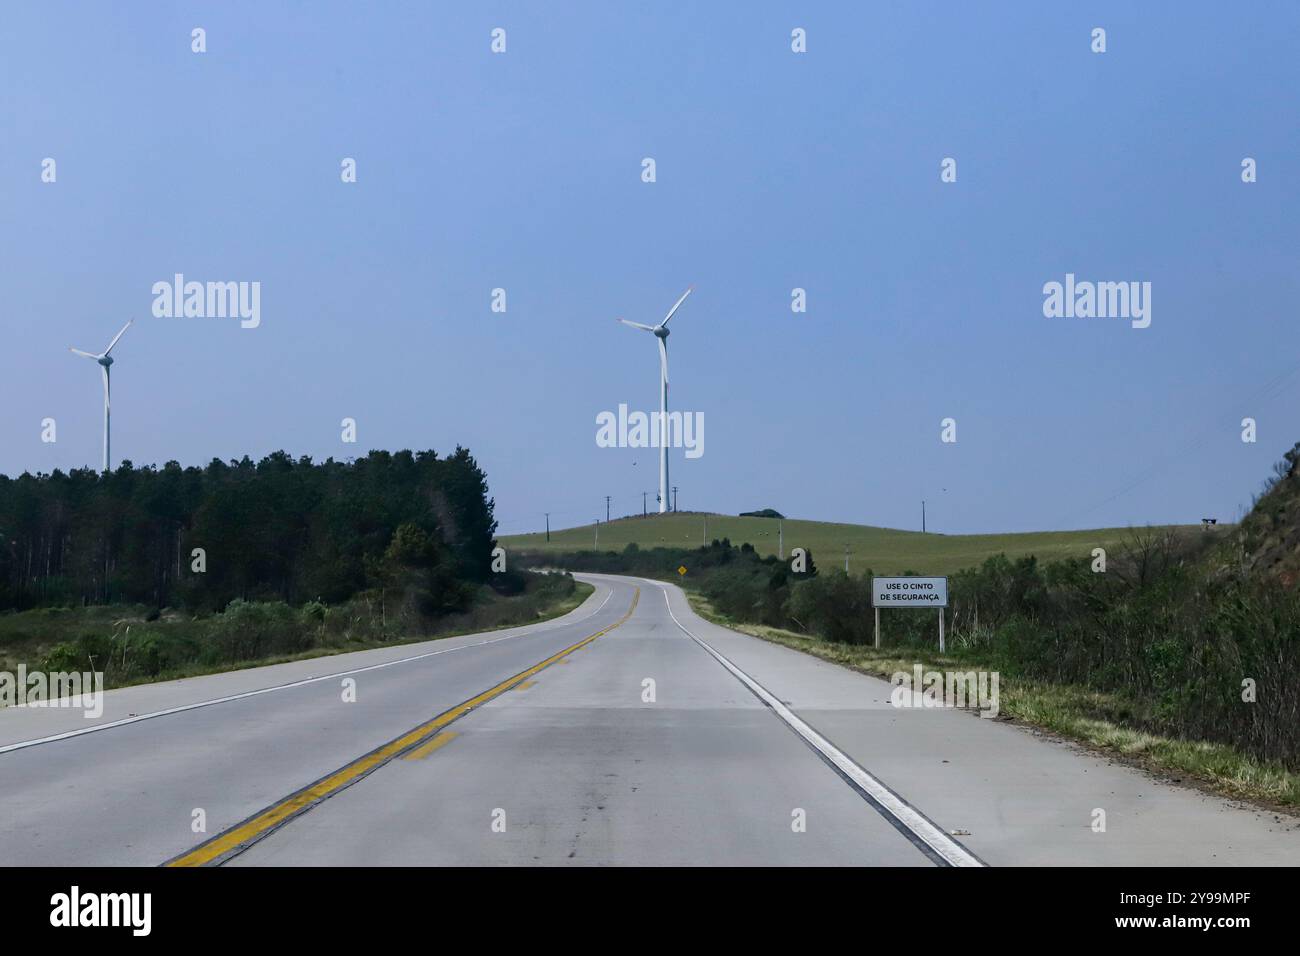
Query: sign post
910,593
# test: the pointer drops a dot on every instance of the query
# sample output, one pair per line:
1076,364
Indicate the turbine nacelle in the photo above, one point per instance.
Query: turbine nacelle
661,330
103,358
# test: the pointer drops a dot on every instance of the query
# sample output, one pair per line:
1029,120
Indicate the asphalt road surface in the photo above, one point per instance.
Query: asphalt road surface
628,732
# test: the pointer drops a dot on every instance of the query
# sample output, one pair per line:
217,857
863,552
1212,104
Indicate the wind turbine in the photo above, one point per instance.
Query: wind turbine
104,360
660,332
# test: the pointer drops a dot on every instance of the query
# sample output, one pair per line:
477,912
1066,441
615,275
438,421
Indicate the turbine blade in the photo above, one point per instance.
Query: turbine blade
663,359
79,352
118,336
638,325
676,306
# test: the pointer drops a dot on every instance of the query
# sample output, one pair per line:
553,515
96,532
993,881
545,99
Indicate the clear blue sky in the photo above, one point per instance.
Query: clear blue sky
775,170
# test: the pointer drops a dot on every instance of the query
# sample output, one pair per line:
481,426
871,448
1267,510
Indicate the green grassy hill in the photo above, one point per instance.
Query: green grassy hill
884,550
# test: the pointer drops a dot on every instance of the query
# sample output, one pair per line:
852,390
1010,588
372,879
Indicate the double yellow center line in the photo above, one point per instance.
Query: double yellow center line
243,835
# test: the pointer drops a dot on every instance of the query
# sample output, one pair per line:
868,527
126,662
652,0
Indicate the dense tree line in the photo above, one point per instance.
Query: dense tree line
278,529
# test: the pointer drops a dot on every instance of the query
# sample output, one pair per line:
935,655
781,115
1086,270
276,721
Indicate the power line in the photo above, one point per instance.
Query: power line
523,522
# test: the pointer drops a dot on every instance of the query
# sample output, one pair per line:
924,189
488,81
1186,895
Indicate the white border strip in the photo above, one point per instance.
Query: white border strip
949,849
23,744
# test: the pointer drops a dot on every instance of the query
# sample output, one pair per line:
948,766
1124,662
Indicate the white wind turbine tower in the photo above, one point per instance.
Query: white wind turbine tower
104,360
661,333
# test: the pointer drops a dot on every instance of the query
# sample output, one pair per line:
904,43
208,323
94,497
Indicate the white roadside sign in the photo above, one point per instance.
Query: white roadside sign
909,592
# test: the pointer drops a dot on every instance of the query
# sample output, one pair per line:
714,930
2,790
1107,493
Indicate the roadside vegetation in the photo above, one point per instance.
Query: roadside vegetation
1110,722
147,574
133,644
1183,654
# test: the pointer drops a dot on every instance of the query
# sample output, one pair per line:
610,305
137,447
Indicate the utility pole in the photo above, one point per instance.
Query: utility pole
846,559
705,542
548,526
674,497
607,509
596,543
643,511
780,540
922,516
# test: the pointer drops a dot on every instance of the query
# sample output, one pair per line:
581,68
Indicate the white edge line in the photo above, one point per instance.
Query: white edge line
951,851
23,744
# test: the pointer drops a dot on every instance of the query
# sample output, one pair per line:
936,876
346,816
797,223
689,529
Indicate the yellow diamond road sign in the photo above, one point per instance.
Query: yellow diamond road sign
682,569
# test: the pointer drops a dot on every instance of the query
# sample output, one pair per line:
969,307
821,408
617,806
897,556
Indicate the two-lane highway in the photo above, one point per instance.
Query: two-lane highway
629,732
639,749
